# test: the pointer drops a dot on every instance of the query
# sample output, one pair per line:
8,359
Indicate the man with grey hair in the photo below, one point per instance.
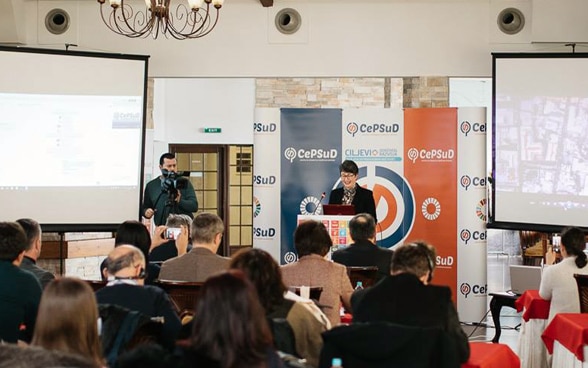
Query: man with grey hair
406,297
202,261
32,253
125,267
169,249
364,251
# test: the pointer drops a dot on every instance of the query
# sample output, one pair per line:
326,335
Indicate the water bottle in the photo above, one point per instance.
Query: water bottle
336,363
359,285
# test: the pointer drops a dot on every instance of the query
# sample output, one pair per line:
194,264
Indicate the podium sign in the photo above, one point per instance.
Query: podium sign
337,226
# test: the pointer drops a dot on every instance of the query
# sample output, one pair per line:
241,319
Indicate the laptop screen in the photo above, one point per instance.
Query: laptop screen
524,278
338,209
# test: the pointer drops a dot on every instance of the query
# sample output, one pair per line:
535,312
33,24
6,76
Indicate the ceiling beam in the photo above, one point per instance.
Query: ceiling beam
267,3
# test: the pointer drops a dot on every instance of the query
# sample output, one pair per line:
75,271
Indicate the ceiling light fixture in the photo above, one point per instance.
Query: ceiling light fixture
184,21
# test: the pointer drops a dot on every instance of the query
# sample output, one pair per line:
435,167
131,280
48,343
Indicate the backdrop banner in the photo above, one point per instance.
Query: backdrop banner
426,168
310,158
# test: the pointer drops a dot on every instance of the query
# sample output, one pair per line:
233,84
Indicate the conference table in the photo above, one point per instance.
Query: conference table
566,337
488,355
498,301
531,349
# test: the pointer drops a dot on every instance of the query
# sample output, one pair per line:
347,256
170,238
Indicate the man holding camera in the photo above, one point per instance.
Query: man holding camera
169,193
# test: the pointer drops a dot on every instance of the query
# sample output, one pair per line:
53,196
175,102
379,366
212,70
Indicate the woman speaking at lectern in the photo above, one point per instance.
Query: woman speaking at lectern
351,193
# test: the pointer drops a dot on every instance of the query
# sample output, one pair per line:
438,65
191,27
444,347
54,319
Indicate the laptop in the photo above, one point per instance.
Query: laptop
524,278
338,209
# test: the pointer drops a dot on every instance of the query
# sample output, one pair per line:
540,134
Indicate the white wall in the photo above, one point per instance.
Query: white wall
182,107
339,38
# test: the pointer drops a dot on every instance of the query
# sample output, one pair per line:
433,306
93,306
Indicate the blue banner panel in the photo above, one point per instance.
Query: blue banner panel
311,154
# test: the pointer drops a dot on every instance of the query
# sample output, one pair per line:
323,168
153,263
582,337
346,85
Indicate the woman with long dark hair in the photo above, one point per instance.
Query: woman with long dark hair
557,282
229,327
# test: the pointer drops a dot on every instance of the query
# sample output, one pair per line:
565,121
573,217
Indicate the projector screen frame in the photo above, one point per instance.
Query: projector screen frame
492,223
102,226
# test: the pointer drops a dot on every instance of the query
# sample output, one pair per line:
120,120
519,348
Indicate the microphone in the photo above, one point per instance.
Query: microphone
323,195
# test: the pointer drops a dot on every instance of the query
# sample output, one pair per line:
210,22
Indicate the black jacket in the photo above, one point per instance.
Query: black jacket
405,300
363,200
364,253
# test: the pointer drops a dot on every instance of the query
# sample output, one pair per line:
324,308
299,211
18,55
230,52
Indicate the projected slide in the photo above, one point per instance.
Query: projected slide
541,142
81,141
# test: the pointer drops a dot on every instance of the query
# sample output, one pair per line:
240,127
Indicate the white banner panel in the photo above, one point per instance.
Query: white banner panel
471,214
266,181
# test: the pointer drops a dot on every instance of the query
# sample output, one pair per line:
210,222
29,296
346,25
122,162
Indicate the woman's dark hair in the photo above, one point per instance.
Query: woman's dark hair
312,237
574,240
229,325
133,232
264,272
349,166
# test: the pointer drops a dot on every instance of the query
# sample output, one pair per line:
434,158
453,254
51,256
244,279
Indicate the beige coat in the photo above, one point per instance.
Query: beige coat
196,266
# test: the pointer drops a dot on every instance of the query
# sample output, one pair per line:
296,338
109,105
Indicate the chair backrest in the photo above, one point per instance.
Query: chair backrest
367,275
182,294
314,291
582,282
96,284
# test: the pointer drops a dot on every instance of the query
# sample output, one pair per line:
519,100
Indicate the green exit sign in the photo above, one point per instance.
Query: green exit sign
212,130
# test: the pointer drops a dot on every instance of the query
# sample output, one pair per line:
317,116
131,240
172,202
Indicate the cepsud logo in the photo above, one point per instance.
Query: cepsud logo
465,235
466,289
475,181
312,154
264,180
433,155
374,128
264,128
466,127
264,233
290,257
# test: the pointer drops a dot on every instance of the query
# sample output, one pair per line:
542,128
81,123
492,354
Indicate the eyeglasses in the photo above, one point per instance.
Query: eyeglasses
347,175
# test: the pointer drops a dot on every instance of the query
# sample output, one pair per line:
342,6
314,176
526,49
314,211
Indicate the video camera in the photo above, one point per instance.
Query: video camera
173,181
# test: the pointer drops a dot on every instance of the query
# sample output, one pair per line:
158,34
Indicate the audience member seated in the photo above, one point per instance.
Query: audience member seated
32,230
202,261
126,270
229,328
14,356
147,355
364,251
67,319
133,232
168,249
407,298
312,242
557,281
20,291
264,272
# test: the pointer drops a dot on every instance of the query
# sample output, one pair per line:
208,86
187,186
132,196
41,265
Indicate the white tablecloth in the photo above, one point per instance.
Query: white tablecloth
563,358
531,350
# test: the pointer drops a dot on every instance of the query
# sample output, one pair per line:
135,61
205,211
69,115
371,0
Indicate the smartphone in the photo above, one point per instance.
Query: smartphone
172,233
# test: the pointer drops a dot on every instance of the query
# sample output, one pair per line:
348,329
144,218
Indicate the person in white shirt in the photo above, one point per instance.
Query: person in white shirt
557,281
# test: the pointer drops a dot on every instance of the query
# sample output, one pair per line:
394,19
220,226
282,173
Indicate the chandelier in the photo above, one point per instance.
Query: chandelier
191,20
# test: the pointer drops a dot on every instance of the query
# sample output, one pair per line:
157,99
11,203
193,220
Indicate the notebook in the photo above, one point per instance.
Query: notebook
338,209
524,278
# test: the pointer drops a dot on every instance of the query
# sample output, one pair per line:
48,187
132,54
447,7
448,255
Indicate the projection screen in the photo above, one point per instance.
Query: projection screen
540,141
72,127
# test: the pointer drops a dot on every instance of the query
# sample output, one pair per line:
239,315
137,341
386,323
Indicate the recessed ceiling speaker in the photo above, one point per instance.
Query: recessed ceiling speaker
511,21
57,21
288,21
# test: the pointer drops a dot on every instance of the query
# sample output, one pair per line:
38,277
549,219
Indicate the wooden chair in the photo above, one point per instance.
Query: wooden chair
96,284
533,247
314,291
183,295
367,275
582,282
